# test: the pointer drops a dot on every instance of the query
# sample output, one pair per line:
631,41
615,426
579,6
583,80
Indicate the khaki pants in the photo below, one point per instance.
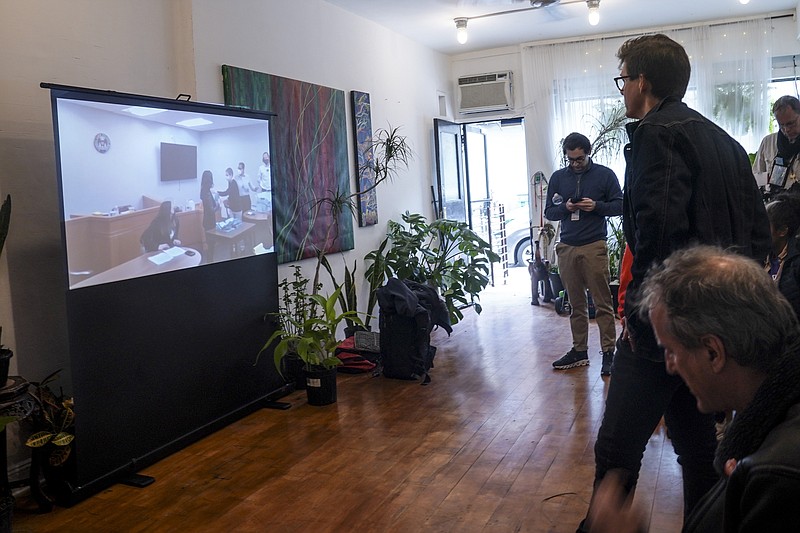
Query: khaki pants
581,268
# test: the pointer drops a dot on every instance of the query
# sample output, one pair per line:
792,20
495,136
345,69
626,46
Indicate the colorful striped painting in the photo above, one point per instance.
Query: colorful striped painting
365,171
308,157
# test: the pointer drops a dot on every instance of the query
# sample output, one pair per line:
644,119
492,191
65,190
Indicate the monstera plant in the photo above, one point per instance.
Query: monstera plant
445,254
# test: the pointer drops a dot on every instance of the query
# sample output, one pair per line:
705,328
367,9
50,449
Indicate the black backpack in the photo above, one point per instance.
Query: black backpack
405,323
406,352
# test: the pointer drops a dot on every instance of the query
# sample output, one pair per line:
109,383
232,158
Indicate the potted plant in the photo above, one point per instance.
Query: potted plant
52,424
294,309
348,294
445,254
390,152
609,128
308,330
616,247
376,274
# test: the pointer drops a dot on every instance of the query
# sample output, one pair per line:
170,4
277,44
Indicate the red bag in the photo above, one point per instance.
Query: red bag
352,362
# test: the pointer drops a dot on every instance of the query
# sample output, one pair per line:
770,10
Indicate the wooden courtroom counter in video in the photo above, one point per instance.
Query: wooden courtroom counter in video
99,242
147,264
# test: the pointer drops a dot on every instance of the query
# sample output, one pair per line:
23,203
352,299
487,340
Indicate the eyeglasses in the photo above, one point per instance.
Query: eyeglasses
790,123
620,81
579,159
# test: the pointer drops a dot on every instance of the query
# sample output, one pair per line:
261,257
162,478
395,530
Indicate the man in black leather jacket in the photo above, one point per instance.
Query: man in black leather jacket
686,181
731,335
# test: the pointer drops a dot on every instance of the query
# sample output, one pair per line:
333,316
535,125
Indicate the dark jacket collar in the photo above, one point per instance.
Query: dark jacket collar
630,127
780,390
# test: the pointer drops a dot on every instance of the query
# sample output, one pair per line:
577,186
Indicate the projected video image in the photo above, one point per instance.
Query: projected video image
149,189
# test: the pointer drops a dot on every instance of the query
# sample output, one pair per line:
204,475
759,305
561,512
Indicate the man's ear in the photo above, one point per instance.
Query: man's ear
644,85
715,351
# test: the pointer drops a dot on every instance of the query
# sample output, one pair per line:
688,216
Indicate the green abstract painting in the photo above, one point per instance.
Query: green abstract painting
309,159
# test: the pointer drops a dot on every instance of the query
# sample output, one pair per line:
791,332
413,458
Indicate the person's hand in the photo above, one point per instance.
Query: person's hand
611,511
571,207
176,242
586,204
730,466
163,247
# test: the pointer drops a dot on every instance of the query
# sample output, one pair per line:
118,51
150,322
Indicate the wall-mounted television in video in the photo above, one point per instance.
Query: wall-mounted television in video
178,162
150,185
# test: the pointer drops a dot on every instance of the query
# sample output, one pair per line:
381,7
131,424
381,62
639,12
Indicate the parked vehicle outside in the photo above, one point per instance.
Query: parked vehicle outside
518,237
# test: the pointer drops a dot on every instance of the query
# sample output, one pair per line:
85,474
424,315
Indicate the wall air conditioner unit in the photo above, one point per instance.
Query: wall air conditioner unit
485,92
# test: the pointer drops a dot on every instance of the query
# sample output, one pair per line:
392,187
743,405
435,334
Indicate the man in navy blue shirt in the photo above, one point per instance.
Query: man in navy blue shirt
581,196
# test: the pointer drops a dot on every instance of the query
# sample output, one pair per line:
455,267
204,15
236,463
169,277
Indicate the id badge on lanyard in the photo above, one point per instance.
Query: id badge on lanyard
779,173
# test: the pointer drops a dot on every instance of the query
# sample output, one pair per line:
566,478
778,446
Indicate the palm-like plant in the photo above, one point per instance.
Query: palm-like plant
609,129
616,246
390,153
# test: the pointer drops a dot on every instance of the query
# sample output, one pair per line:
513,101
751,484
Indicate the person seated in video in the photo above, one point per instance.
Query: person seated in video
163,230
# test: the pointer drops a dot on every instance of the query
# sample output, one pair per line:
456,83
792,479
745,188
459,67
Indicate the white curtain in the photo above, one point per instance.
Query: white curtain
569,86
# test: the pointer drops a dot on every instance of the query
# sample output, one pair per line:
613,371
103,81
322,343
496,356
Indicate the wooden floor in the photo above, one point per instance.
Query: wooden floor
499,441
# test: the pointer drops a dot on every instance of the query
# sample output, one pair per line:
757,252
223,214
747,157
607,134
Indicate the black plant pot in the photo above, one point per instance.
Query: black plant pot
349,331
6,513
321,386
555,284
292,371
59,480
5,360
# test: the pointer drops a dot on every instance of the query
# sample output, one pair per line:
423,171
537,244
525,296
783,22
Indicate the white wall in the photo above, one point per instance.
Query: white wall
124,46
508,58
96,182
163,48
785,42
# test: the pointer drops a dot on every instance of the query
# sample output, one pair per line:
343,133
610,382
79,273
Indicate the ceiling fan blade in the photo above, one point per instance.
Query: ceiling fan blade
473,3
543,3
555,9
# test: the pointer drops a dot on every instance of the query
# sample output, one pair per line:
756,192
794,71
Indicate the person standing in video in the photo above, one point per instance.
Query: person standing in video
233,195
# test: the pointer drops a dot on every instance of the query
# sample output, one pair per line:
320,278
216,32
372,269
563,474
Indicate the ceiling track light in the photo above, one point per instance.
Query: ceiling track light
461,29
594,11
461,22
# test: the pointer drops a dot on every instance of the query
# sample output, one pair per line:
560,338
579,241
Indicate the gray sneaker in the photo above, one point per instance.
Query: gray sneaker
572,359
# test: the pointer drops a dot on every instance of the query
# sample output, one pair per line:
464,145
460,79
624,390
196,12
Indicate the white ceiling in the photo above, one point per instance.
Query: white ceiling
430,22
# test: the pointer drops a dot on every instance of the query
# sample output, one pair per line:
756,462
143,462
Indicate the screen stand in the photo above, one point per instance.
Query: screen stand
277,405
137,480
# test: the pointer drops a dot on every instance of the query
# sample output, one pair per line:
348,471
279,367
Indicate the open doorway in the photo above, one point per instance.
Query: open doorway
483,176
